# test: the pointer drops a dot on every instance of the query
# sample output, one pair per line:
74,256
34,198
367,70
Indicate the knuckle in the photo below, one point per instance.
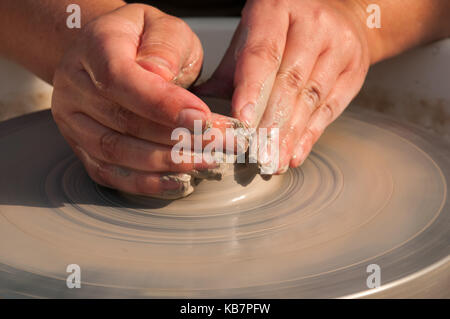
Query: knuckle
97,170
100,62
321,14
310,136
126,122
105,79
101,174
142,185
140,6
273,4
292,78
280,3
347,41
348,37
267,51
312,95
179,24
327,109
254,6
109,145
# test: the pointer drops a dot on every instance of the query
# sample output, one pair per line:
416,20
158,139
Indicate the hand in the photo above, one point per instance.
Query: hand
118,93
293,65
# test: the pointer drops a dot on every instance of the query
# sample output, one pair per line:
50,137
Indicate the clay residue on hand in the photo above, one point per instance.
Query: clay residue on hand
243,136
184,190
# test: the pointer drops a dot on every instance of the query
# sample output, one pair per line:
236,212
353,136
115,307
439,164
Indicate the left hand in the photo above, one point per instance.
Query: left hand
305,59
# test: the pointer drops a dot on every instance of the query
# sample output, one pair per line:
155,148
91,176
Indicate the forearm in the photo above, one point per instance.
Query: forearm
404,24
34,33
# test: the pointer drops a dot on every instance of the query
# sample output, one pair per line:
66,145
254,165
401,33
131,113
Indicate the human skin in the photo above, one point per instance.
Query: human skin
301,62
119,82
119,91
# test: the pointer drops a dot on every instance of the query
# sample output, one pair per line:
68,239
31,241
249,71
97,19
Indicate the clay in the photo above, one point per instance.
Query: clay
373,191
191,179
185,189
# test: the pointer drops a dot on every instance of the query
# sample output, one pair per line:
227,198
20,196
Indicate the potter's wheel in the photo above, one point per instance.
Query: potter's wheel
373,192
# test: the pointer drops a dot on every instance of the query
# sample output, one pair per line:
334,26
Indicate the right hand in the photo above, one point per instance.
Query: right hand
119,92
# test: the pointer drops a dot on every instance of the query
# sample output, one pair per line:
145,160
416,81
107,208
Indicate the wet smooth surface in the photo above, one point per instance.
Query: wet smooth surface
373,191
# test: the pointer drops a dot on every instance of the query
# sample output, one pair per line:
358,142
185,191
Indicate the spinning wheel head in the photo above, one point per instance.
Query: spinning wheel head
372,192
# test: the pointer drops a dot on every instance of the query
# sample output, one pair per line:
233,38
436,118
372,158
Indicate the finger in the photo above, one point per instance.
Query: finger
346,88
120,119
169,48
296,67
259,59
114,148
85,99
111,63
326,71
127,180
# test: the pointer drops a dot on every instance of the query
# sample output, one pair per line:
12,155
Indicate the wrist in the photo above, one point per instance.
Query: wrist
376,45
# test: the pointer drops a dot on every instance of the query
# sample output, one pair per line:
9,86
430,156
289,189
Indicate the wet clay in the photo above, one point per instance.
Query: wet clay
189,180
373,191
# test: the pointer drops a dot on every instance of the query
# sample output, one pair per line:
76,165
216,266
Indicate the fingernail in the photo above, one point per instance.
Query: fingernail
158,66
298,157
247,114
187,117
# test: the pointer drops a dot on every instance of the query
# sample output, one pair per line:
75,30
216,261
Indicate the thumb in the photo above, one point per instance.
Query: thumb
169,48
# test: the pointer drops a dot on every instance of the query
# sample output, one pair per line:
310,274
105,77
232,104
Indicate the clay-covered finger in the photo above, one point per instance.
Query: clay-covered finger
346,88
112,147
259,55
118,118
282,111
131,181
322,80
